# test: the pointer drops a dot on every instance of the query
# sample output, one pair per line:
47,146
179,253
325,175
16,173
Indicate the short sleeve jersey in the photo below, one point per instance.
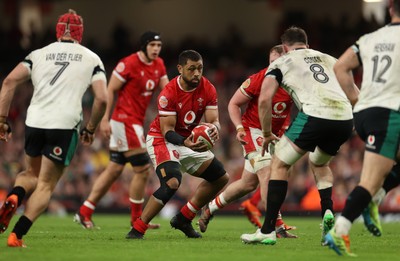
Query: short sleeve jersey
308,76
187,106
281,104
61,73
140,80
379,53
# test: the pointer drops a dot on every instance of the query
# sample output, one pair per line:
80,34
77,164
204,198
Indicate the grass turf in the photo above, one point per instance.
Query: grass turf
54,238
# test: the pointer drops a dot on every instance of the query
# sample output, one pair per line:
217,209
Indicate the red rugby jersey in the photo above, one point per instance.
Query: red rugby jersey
187,106
140,79
281,104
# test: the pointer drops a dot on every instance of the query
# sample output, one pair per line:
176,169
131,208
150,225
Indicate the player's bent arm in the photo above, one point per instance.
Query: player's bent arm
17,76
234,105
343,70
167,125
268,88
99,88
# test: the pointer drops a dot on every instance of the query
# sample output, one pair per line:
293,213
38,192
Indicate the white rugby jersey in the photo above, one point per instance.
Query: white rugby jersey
308,76
379,53
60,73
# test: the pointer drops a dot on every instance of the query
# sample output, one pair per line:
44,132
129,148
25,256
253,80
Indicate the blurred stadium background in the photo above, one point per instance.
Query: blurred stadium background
233,36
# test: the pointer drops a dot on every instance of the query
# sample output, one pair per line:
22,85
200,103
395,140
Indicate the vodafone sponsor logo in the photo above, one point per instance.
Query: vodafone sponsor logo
150,84
57,151
371,142
190,116
279,107
176,154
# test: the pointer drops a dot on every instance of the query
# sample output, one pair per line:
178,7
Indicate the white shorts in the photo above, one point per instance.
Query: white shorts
254,161
161,151
252,151
125,137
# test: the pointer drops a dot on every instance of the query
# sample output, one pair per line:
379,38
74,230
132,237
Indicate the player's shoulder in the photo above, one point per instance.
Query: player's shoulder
207,83
61,47
52,47
377,35
132,58
172,85
316,56
89,52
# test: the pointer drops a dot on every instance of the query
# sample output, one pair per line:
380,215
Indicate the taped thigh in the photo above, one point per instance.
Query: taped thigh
285,151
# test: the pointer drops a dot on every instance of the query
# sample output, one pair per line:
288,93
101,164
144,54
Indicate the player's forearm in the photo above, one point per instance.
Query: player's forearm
265,115
235,115
6,96
98,110
110,105
345,79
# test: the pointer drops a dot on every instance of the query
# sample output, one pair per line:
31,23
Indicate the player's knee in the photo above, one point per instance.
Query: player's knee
113,171
215,172
173,183
142,170
324,183
250,185
170,180
164,193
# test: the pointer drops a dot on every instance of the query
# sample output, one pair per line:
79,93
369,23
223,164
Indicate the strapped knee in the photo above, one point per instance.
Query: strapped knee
214,171
165,172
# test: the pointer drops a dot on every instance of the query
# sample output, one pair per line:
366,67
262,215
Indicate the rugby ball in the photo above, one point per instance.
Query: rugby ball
202,133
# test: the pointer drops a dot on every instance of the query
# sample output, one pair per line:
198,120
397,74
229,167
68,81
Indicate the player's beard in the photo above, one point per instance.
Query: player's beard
191,83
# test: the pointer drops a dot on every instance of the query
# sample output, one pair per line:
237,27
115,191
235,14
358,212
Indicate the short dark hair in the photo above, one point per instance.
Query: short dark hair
189,55
294,35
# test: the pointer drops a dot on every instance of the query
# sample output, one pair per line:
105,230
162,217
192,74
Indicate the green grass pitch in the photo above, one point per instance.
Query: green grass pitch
59,238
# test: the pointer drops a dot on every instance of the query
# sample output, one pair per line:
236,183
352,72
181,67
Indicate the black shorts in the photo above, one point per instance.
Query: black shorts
308,132
379,128
55,144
